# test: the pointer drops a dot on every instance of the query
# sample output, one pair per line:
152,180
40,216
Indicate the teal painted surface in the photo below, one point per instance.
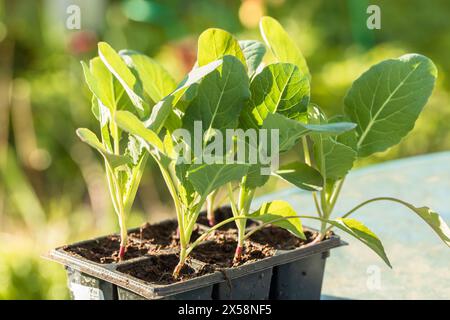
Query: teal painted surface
421,262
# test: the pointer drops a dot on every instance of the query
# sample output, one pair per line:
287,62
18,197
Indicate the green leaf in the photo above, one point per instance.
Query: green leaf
99,81
280,88
220,98
386,100
334,158
281,45
134,178
206,178
88,137
254,178
348,138
301,175
156,81
290,131
120,70
131,124
362,233
254,52
164,108
432,218
274,212
216,43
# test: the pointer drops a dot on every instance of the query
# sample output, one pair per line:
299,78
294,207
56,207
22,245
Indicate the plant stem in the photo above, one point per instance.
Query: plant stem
210,201
308,162
123,236
181,262
335,195
245,199
369,201
207,232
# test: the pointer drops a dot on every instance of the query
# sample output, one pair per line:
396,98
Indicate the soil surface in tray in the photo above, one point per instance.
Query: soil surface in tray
158,269
148,239
279,238
106,250
222,214
219,252
160,236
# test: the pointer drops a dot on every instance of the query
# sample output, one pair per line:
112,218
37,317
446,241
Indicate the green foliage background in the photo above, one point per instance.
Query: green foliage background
52,188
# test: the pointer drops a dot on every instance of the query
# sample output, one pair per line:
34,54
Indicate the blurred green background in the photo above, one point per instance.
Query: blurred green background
52,187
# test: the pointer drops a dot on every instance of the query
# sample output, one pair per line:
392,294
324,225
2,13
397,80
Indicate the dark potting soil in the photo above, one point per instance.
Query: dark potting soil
160,236
149,239
158,269
219,251
222,214
279,238
106,250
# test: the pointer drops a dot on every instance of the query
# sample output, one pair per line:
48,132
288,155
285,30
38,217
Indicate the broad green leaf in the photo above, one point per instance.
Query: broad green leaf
91,139
254,178
254,52
301,175
131,124
348,138
185,188
206,178
135,148
333,157
120,70
122,100
386,100
362,233
156,81
274,212
290,131
220,98
282,46
100,82
164,108
434,220
216,43
280,88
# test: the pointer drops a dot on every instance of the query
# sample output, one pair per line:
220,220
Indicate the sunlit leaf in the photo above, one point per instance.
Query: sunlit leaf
275,213
91,139
281,44
386,100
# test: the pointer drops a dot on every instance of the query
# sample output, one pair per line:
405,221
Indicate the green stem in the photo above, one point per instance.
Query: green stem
316,203
207,232
210,201
369,201
231,197
308,162
335,195
181,263
120,212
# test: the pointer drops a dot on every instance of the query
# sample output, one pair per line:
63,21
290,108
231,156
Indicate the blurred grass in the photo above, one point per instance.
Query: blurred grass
52,188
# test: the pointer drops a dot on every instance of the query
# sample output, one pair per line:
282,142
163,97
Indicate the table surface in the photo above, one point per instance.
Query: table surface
420,260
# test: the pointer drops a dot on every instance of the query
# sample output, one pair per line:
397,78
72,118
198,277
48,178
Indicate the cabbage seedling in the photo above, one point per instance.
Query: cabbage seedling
384,103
